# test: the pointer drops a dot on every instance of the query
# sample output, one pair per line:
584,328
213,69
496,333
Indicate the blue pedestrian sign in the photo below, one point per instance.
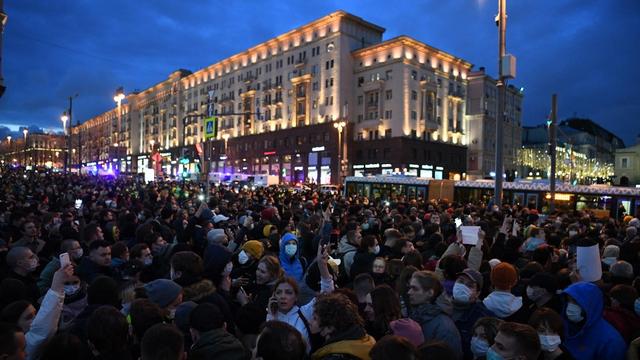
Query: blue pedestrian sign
210,128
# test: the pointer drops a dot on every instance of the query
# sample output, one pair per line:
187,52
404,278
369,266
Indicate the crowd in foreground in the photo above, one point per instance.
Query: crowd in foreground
97,268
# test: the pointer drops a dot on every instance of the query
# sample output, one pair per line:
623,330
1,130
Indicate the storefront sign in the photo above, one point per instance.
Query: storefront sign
372,166
317,148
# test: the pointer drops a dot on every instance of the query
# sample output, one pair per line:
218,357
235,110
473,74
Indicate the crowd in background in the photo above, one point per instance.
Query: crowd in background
166,270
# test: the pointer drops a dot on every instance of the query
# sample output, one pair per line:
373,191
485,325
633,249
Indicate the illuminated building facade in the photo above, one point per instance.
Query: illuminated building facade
278,106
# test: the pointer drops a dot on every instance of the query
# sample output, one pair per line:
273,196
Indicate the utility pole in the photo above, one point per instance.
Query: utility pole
552,151
502,29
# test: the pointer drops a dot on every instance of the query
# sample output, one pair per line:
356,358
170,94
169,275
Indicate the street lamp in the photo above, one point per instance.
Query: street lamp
25,132
118,97
64,119
340,125
225,137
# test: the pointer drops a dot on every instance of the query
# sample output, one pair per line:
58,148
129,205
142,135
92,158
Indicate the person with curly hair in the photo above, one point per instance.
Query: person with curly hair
337,320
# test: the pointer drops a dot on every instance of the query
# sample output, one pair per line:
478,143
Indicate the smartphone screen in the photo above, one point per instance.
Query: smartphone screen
78,204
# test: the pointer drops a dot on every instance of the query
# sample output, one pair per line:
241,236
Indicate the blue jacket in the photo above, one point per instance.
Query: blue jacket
594,338
435,320
291,265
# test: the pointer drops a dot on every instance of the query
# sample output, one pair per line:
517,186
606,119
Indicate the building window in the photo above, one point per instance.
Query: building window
414,95
388,94
387,133
387,114
414,75
414,115
624,163
387,75
360,100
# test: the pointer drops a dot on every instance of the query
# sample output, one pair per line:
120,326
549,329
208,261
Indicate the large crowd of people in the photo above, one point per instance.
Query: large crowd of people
115,268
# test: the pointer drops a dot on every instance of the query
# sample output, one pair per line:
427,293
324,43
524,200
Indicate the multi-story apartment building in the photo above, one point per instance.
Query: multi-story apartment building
40,150
482,110
276,105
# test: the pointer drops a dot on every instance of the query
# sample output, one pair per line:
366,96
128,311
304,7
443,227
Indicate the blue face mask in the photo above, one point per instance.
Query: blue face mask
493,355
291,249
479,347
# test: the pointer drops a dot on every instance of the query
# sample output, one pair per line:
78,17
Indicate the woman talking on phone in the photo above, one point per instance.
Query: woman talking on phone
282,305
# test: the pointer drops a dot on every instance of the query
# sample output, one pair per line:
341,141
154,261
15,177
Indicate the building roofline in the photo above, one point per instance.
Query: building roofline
407,40
339,14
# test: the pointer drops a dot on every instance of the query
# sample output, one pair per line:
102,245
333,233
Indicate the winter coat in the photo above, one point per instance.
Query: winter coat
347,252
435,320
293,316
503,304
465,317
352,344
45,324
625,321
218,344
593,338
292,266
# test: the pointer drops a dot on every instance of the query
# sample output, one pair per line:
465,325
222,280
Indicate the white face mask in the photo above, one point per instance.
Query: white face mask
32,264
71,289
291,249
462,293
574,313
227,269
147,261
76,254
243,258
549,343
479,347
573,233
535,294
376,250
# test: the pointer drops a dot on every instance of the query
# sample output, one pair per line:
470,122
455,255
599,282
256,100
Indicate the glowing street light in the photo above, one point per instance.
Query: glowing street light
340,125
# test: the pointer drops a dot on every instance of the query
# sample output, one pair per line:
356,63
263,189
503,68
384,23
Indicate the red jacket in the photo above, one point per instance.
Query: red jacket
626,322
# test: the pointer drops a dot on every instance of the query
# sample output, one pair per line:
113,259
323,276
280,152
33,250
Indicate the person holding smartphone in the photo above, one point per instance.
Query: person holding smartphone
282,305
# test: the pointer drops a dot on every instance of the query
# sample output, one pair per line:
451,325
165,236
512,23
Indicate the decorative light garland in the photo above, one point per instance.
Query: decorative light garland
583,169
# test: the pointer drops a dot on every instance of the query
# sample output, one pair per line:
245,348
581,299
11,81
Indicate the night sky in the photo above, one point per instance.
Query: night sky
584,50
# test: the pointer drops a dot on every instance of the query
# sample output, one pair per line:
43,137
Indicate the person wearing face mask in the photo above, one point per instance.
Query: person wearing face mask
75,301
245,265
587,334
70,246
165,293
38,326
515,341
366,254
484,333
550,328
610,256
22,264
621,313
541,292
290,259
467,307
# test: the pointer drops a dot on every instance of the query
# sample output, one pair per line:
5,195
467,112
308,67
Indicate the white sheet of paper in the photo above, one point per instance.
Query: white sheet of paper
470,234
588,262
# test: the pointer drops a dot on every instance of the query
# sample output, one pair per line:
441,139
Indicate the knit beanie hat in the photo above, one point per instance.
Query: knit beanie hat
162,292
182,315
254,248
266,230
611,251
622,269
504,276
216,257
409,330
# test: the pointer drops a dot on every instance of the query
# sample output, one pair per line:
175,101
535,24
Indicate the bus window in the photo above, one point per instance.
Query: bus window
518,198
532,201
411,192
351,189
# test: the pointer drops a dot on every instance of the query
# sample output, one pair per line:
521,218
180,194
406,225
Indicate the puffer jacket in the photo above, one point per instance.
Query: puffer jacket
435,320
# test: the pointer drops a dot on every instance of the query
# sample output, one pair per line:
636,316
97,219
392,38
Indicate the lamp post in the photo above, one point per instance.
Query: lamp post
501,85
340,125
118,97
64,119
225,137
25,132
